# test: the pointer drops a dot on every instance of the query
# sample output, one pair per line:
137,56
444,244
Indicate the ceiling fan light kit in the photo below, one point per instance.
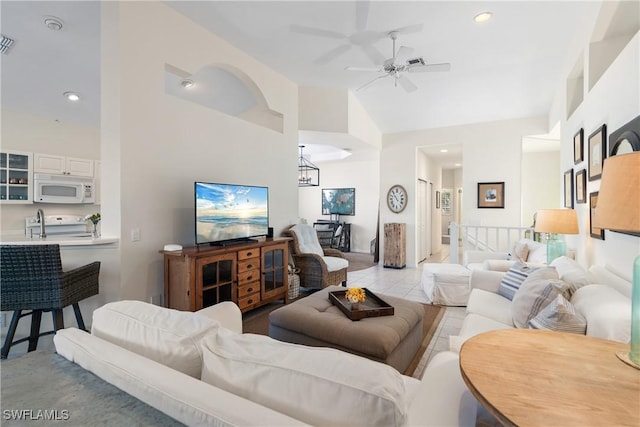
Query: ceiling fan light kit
397,66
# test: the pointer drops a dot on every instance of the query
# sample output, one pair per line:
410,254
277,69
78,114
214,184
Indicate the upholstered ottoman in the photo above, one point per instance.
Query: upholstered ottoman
446,284
315,321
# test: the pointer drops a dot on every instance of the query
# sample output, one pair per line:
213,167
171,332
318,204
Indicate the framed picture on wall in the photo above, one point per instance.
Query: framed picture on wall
578,147
581,186
597,152
568,189
491,195
596,233
437,200
341,201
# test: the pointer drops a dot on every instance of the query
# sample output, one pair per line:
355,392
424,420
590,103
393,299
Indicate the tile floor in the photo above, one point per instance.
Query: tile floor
405,283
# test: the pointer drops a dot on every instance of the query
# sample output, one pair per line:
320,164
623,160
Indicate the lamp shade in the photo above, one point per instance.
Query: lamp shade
619,196
557,221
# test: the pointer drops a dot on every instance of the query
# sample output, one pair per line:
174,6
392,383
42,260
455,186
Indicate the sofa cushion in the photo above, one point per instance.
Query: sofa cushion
536,292
571,272
335,263
319,386
560,315
167,336
607,311
490,305
513,279
520,252
472,325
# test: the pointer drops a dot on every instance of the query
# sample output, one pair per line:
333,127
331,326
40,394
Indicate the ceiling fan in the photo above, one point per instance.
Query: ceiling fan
399,64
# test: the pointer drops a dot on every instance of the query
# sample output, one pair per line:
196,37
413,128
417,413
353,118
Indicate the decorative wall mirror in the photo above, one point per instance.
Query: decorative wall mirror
626,139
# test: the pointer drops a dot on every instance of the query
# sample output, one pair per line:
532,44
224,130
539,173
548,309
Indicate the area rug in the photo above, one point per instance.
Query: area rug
359,261
257,322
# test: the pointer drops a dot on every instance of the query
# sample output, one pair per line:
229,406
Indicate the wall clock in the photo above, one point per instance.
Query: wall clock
397,198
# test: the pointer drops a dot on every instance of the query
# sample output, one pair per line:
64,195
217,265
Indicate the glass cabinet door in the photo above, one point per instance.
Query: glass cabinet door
274,270
215,281
15,177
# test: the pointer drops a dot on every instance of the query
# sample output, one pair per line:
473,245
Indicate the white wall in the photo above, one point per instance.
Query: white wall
492,152
359,171
614,100
156,145
542,185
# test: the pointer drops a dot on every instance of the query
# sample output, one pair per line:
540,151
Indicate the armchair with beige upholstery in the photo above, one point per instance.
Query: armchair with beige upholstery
319,267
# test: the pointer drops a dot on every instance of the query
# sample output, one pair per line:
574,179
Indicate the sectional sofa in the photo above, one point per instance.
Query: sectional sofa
596,302
199,369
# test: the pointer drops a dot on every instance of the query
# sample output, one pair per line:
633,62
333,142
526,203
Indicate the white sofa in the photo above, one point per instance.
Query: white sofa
170,360
600,296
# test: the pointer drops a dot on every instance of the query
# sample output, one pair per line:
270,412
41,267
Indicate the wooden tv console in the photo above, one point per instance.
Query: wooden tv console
249,274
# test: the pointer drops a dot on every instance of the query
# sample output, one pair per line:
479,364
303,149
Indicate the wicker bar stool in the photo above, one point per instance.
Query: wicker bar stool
31,278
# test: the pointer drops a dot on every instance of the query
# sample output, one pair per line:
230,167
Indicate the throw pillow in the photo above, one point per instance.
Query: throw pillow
571,272
512,280
319,386
560,316
520,252
535,293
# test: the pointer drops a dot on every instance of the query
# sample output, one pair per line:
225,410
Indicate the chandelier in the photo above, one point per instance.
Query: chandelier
308,173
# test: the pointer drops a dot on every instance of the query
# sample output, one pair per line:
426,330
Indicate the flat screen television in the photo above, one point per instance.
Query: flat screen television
228,213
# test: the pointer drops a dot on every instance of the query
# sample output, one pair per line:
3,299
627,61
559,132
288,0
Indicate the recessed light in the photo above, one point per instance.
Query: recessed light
458,165
444,150
187,83
71,96
53,23
482,17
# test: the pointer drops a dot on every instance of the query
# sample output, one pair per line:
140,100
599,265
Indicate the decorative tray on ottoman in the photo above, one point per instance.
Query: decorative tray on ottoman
373,306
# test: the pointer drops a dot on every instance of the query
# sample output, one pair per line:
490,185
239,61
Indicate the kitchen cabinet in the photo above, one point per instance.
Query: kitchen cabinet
61,165
15,177
249,274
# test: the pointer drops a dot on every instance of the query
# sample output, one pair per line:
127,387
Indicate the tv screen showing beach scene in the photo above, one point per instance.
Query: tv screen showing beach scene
229,212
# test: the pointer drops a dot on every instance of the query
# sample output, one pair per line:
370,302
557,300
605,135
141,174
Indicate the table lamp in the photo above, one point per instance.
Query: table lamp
618,209
556,222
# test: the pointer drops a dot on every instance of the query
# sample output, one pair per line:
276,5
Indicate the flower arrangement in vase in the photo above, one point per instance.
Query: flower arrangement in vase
355,296
95,219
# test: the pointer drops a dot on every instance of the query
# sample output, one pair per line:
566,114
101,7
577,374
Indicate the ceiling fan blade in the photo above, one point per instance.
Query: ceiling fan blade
364,86
332,54
374,54
368,69
403,53
406,84
416,28
316,32
362,15
445,66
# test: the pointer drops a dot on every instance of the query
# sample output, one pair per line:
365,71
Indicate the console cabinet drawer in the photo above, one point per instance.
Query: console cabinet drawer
248,253
248,289
247,277
248,301
248,265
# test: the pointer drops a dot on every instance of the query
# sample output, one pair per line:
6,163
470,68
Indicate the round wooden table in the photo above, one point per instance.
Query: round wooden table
541,378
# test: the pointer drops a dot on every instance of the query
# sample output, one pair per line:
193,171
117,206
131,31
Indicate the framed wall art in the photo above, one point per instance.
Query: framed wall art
596,233
568,189
341,201
578,147
581,186
597,152
490,195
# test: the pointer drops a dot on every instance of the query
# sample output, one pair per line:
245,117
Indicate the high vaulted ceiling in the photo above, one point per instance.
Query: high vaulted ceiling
505,68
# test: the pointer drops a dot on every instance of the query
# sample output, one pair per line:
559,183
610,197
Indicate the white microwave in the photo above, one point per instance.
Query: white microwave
63,189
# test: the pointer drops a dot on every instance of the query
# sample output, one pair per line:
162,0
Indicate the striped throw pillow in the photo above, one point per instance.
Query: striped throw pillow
560,316
513,279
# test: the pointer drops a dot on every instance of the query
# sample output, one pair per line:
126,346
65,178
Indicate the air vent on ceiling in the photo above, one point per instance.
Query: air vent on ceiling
5,43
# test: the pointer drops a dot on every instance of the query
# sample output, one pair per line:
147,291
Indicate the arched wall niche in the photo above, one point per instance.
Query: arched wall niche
224,88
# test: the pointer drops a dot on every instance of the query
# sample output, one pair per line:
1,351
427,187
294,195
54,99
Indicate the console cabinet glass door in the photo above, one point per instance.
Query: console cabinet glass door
274,270
215,280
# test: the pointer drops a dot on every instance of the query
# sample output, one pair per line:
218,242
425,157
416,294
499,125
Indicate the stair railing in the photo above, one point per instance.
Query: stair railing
485,238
